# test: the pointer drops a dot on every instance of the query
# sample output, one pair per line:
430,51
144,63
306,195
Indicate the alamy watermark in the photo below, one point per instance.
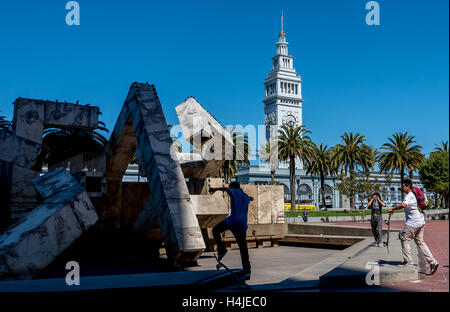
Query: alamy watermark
73,16
373,16
373,276
73,276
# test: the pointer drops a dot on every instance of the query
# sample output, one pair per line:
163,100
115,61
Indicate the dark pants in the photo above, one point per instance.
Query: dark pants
240,237
377,228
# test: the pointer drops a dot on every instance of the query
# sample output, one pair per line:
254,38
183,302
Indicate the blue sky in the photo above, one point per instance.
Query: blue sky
373,80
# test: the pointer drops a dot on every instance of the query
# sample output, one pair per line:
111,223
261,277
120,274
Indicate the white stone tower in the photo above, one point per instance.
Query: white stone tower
283,88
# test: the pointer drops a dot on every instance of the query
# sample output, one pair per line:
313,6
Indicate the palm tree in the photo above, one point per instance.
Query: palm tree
399,154
294,143
368,161
65,143
415,162
442,147
269,152
241,152
320,164
4,124
350,155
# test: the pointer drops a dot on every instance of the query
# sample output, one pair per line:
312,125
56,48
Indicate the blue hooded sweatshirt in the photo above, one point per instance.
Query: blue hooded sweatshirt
237,220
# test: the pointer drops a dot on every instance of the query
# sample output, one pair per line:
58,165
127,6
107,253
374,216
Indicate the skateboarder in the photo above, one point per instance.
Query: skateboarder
414,228
376,220
236,222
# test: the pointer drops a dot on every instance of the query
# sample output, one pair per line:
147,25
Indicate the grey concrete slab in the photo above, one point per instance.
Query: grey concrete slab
269,264
150,280
322,239
353,271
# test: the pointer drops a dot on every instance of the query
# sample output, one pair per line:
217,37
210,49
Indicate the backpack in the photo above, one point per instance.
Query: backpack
421,203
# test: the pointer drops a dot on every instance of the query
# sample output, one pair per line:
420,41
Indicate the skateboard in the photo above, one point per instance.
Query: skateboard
242,283
386,243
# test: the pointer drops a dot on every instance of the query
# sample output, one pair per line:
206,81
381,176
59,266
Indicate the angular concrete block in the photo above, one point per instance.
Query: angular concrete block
62,114
29,119
209,209
278,203
169,202
197,124
35,241
201,129
252,190
265,202
22,190
17,150
31,245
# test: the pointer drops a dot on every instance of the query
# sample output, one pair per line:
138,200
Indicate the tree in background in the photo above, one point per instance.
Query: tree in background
241,152
293,143
442,147
320,164
64,143
350,156
269,152
434,174
4,123
400,154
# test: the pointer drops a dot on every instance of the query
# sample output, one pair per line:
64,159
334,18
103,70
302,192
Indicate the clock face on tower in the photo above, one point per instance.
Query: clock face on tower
289,119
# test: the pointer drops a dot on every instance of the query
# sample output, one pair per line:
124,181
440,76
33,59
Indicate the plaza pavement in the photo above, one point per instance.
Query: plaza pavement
269,264
437,238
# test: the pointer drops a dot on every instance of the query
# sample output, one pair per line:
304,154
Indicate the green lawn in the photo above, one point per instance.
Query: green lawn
334,213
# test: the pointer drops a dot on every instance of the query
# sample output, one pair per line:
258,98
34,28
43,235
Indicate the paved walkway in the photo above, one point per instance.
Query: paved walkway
270,264
437,239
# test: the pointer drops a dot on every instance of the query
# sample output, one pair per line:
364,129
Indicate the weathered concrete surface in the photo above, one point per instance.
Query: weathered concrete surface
31,116
209,209
206,134
31,244
267,204
19,151
22,146
141,125
198,125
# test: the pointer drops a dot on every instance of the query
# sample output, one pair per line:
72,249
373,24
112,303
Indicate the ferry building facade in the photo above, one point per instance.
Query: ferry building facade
283,105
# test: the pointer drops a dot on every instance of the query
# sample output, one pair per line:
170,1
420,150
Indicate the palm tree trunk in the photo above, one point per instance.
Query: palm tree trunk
272,177
352,198
402,178
292,180
411,175
322,186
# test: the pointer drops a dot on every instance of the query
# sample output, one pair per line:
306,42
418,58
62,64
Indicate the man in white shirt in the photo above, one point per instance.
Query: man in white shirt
414,228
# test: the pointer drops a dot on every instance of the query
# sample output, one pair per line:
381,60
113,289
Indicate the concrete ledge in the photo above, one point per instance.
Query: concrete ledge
433,214
309,277
322,239
353,270
196,280
348,267
328,229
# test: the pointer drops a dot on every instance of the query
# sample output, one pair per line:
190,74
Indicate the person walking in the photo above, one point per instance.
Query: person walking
413,229
236,222
376,218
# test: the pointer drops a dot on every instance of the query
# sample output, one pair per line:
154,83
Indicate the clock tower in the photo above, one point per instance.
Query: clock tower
283,91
